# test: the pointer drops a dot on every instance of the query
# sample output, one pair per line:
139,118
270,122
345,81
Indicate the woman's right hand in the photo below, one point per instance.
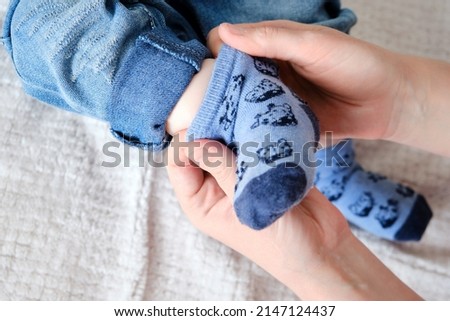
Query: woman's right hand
356,89
310,248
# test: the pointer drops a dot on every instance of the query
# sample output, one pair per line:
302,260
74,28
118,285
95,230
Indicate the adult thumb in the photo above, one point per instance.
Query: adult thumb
216,159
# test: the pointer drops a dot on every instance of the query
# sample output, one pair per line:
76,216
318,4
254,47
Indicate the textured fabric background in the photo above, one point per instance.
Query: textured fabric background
71,229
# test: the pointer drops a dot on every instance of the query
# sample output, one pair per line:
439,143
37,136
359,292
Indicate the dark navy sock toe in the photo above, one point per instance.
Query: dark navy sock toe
417,221
265,198
368,200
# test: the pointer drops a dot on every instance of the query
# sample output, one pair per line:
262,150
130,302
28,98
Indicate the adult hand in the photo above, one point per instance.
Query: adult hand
357,90
310,248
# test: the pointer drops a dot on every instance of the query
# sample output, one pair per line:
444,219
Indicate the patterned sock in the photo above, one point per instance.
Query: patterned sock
368,200
273,132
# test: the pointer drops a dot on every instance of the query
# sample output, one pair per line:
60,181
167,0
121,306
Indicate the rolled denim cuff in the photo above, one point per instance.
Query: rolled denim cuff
148,84
343,22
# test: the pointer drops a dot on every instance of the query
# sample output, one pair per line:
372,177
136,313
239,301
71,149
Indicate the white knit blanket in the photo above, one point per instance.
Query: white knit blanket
71,229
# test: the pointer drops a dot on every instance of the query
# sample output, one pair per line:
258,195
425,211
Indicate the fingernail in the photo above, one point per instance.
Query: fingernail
234,29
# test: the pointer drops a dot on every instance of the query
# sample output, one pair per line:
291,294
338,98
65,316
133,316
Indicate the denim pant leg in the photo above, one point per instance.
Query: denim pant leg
126,62
210,13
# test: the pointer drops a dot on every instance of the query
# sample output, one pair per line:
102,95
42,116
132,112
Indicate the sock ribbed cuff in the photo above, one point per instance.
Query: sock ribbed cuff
218,85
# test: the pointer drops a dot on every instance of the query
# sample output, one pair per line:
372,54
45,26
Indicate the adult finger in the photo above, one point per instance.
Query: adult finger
214,42
190,162
303,44
216,159
187,178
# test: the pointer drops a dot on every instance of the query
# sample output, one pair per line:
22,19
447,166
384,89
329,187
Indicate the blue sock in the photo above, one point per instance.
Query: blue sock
368,200
273,132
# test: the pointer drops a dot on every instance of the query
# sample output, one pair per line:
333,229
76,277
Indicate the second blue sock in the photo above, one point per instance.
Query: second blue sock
368,200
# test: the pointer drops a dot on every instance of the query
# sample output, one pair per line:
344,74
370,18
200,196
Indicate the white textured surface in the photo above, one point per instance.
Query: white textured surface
72,229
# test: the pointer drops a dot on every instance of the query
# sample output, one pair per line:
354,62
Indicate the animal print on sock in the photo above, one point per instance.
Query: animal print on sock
369,200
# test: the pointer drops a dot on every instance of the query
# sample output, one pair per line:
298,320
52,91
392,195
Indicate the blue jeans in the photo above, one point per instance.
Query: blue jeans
128,62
